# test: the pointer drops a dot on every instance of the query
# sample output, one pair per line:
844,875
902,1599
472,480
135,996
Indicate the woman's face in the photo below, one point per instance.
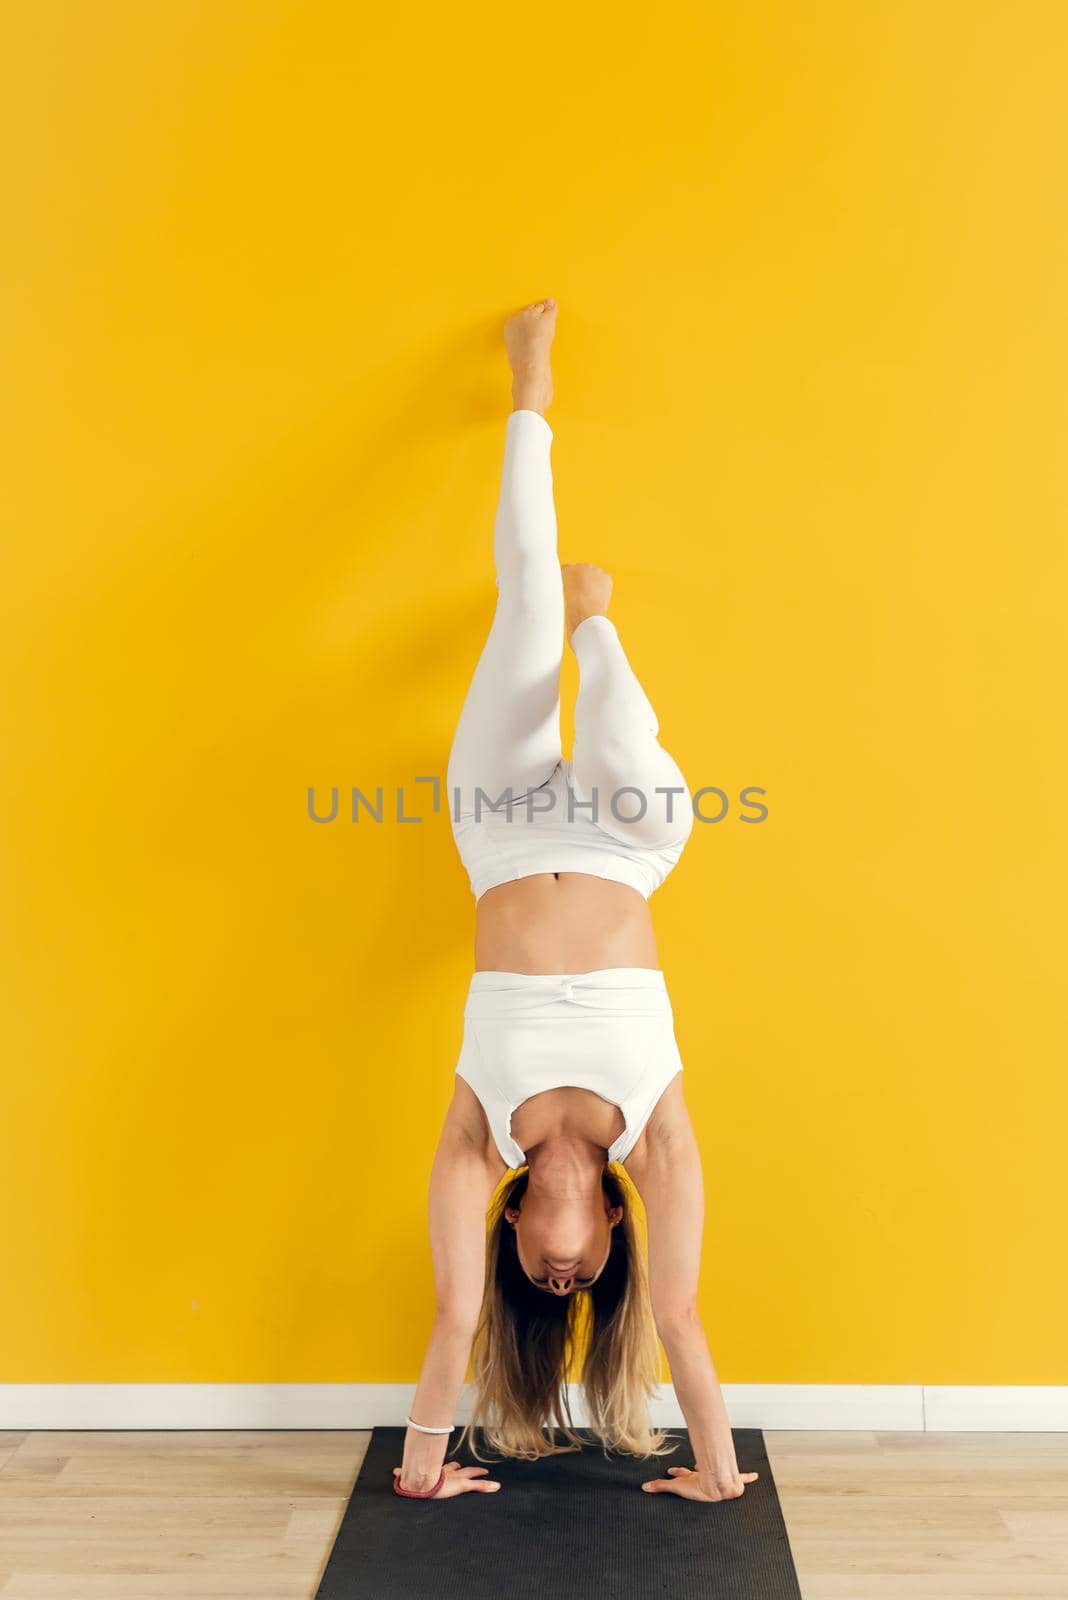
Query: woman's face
563,1244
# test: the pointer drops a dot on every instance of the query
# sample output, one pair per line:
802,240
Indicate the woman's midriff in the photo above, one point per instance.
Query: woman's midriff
563,922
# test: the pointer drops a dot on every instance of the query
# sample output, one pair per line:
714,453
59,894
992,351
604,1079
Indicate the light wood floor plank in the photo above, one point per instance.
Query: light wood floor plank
920,1516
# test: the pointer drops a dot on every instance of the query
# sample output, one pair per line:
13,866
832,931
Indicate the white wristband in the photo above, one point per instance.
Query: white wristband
418,1426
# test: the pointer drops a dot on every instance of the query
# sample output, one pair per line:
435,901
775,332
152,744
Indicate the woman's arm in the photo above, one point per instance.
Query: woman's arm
668,1178
461,1185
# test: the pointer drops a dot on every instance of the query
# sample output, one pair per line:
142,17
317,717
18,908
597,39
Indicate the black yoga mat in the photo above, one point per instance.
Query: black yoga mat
568,1527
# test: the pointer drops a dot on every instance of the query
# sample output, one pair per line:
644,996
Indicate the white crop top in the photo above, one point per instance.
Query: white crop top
543,833
610,1031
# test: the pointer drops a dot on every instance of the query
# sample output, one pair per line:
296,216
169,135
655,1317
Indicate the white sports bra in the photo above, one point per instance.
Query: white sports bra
610,1031
549,835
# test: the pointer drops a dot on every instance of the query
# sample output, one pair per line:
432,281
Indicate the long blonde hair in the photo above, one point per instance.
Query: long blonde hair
527,1344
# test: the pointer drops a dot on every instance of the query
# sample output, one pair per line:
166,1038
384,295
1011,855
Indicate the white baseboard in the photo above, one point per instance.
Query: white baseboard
1013,1408
249,1406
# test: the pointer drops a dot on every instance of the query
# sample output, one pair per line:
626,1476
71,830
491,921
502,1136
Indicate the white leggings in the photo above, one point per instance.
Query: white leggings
508,735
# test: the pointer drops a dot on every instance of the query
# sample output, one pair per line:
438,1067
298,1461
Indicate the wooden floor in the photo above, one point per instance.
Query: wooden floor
252,1516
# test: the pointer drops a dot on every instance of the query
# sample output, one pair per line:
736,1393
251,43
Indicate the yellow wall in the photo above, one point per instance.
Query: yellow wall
811,356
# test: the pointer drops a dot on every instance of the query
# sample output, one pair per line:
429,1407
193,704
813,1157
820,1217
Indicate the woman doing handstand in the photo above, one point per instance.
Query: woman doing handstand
569,1074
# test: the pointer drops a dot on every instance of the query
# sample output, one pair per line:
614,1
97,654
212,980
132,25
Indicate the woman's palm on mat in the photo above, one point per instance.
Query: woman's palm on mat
459,1480
686,1482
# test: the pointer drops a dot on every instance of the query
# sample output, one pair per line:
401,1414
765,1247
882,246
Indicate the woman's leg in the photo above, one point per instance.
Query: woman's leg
508,735
616,745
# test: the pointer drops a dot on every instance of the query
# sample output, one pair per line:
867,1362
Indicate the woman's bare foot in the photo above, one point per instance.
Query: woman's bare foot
587,590
527,337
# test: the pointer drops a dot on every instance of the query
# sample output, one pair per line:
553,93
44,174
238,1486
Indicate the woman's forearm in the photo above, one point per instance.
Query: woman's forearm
441,1382
700,1397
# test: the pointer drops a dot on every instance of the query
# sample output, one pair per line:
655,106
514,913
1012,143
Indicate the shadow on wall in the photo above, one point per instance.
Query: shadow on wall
410,629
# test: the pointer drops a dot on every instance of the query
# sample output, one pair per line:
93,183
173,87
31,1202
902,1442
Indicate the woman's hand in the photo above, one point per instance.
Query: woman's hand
458,1480
727,1484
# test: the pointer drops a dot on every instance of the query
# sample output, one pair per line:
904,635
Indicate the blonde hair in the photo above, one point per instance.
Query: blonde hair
527,1344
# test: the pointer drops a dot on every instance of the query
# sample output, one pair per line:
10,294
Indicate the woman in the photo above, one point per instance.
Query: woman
569,1061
